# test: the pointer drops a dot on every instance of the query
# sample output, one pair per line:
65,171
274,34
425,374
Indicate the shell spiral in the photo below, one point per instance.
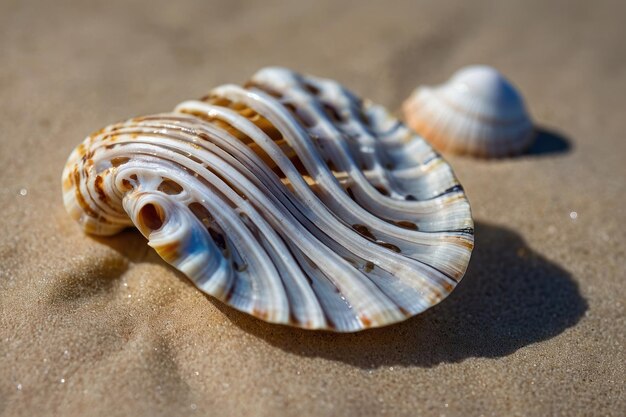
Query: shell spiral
289,198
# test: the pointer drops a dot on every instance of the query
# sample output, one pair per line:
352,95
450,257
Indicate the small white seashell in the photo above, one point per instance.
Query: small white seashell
477,112
289,199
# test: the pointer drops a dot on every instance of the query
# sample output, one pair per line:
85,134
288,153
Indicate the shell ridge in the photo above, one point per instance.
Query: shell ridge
405,209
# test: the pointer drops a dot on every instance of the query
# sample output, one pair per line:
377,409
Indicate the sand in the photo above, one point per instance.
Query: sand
102,327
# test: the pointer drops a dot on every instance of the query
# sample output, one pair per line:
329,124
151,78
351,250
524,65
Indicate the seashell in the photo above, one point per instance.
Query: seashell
289,199
477,112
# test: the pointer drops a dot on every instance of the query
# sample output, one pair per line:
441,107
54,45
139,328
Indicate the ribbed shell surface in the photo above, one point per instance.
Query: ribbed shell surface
477,112
290,199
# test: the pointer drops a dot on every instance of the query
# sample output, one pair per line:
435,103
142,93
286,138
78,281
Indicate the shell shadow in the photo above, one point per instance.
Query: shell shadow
510,297
130,244
549,142
133,247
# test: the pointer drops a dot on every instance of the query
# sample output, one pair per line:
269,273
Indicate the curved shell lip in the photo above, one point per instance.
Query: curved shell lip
223,159
464,122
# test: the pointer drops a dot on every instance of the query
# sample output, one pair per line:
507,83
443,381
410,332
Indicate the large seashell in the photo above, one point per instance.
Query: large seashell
477,112
289,199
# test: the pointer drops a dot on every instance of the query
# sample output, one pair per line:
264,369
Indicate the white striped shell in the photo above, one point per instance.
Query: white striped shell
289,199
477,112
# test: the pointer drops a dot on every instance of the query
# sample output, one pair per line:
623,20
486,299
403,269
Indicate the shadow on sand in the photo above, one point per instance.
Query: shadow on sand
549,142
510,297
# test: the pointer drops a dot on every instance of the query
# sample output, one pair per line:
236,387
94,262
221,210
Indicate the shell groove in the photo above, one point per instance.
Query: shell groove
289,199
477,112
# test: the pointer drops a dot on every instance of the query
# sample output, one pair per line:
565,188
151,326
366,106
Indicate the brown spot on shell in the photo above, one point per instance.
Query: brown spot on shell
407,225
262,314
127,185
98,186
466,243
366,321
363,231
434,296
79,197
404,311
98,132
116,162
462,241
68,182
169,251
389,246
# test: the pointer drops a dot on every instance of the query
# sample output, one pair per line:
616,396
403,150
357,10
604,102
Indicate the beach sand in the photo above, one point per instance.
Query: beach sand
103,327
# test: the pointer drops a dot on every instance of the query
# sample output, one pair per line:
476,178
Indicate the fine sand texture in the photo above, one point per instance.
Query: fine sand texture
103,327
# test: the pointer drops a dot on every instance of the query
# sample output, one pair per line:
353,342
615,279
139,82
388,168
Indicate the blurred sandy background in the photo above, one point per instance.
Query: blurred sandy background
104,328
